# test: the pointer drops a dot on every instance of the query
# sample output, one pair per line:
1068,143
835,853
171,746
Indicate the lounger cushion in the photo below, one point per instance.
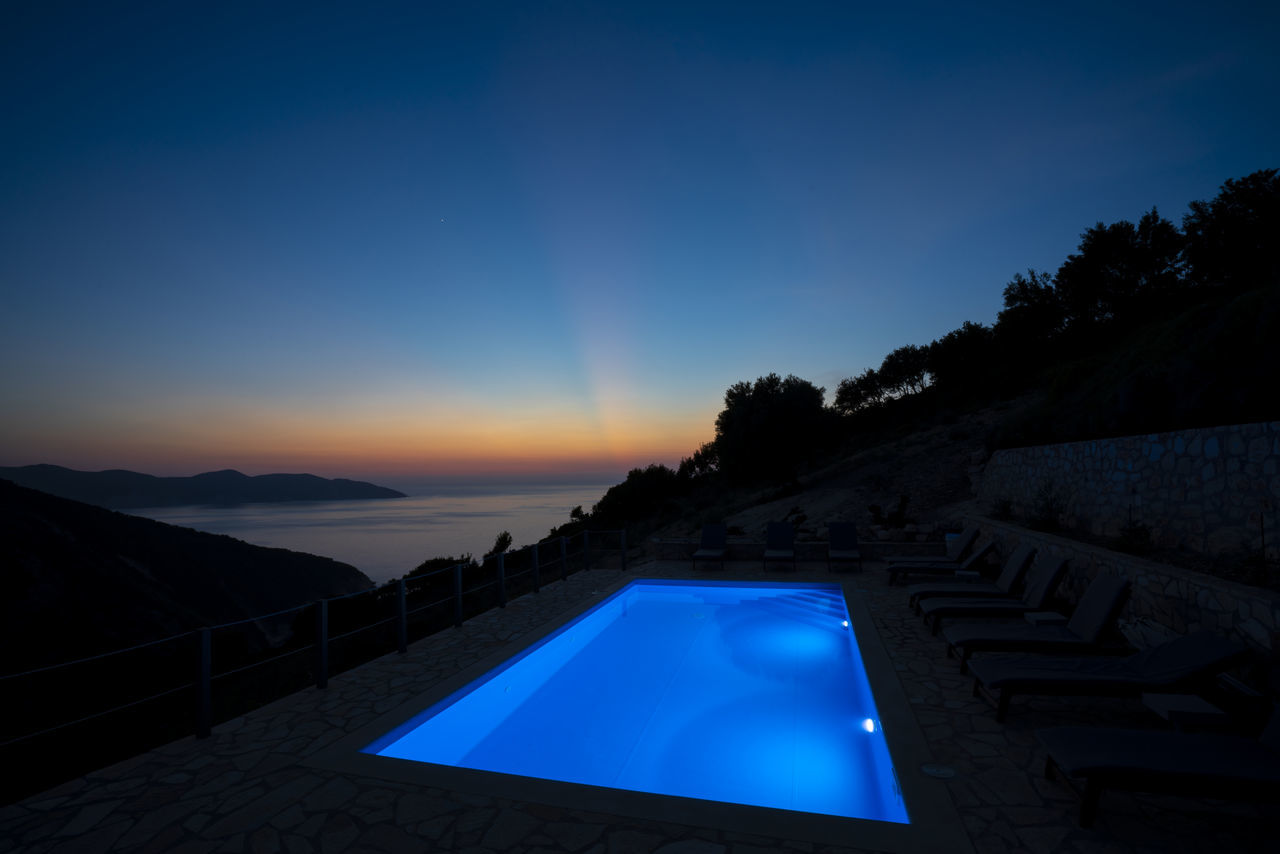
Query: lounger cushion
970,607
1022,638
1014,568
712,546
953,589
1162,666
1161,760
971,562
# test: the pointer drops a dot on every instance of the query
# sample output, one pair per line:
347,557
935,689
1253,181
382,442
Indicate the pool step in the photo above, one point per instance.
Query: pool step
816,609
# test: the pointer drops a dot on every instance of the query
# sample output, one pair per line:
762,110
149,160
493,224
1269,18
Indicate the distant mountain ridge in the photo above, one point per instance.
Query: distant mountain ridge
117,489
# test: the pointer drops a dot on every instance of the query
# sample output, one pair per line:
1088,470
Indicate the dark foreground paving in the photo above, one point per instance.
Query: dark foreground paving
245,789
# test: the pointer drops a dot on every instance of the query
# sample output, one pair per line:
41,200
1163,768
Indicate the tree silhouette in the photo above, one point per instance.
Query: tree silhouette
960,361
859,393
433,564
1031,308
642,495
1118,269
768,427
1231,241
704,461
905,370
501,543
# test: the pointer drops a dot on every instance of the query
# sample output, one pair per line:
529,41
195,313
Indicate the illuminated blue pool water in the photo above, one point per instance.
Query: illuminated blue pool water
742,693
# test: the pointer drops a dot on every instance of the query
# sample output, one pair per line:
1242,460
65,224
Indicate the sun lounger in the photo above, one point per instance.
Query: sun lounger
1014,568
712,545
957,550
1184,665
970,564
779,544
842,546
1041,583
1081,635
1211,765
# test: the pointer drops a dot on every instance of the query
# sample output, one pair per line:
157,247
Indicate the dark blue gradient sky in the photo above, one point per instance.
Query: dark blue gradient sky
446,238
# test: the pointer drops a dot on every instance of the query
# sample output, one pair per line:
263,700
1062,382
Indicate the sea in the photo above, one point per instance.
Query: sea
386,538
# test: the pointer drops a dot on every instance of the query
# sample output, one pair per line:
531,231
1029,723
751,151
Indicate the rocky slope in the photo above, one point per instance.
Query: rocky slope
79,579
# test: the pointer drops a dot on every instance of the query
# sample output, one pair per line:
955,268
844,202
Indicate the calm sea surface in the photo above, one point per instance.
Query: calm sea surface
386,538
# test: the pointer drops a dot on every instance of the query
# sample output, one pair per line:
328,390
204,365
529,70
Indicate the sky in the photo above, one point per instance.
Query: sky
541,239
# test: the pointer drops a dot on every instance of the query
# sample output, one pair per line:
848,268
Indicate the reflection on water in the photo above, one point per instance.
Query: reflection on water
387,538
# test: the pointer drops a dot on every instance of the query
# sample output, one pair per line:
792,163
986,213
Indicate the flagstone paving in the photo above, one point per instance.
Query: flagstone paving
244,789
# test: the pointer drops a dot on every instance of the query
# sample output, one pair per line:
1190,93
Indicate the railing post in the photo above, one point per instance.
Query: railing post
402,618
457,595
322,643
624,549
537,575
502,579
204,685
564,557
586,549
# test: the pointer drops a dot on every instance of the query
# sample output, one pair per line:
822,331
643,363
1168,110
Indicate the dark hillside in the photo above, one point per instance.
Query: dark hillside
79,579
1213,363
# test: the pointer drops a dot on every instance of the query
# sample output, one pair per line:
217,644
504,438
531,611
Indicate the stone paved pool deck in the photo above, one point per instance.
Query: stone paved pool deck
246,788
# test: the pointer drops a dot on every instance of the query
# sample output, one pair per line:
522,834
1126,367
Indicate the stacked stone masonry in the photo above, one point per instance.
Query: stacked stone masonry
1164,601
1214,490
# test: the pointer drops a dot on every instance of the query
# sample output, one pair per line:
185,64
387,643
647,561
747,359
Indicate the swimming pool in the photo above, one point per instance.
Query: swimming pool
735,692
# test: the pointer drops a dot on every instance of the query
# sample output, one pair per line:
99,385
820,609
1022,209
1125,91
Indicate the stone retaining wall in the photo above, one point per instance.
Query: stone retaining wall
1209,490
1164,600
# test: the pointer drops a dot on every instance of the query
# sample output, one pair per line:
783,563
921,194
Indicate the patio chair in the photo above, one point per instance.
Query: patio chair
957,550
712,545
780,541
843,544
1213,765
1041,583
1183,665
1081,635
970,564
1014,568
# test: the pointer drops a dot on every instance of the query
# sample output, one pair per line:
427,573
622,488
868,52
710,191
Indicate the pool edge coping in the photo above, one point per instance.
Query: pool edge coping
935,822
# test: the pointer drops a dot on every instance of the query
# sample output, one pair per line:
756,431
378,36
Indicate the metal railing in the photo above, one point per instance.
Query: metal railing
154,692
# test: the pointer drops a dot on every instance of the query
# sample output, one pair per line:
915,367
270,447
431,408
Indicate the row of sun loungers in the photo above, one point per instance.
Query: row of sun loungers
1014,569
1082,633
843,548
971,564
1185,664
1041,584
1074,657
780,545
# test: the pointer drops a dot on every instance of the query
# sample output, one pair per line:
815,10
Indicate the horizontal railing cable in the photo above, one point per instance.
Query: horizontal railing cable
241,669
261,617
434,604
363,628
100,655
356,593
100,714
